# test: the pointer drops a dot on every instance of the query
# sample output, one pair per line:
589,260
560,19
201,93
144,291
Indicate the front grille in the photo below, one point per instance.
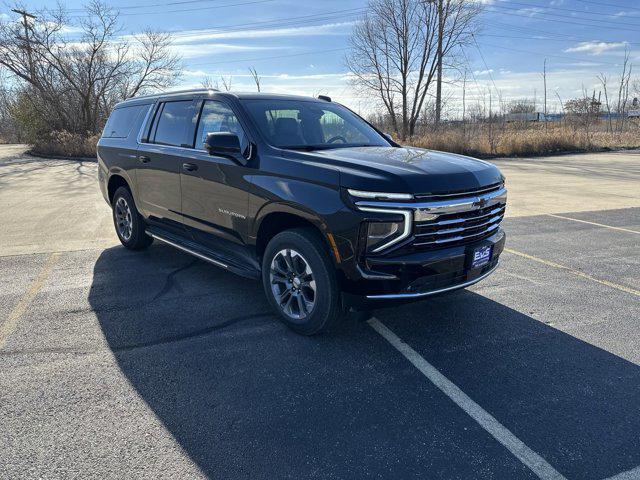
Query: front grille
459,228
453,194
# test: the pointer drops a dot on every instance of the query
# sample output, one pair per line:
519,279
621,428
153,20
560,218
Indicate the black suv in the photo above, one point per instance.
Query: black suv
330,213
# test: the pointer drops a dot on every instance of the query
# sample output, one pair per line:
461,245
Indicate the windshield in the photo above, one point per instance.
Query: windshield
310,125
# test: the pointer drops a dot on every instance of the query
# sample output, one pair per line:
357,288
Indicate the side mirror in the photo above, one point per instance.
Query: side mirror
222,143
388,136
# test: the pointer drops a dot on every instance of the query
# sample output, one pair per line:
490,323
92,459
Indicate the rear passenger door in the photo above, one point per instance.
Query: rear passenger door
215,191
160,162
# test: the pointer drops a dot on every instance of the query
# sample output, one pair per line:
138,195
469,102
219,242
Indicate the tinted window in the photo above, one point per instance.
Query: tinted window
309,124
217,117
121,121
174,118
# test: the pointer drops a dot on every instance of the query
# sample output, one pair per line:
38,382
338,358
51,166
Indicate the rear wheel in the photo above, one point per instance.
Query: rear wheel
300,282
130,225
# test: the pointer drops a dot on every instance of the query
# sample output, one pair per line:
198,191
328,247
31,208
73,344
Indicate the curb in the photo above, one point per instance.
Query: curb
61,157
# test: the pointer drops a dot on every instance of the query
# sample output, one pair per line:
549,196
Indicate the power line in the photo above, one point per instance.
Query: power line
568,39
604,4
485,64
269,58
543,16
572,10
156,12
269,24
547,54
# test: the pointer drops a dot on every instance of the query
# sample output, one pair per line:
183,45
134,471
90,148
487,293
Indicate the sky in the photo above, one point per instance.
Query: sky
298,46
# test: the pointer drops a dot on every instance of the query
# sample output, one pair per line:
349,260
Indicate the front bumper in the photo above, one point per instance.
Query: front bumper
422,274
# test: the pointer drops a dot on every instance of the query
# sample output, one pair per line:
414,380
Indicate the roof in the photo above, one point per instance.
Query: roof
212,92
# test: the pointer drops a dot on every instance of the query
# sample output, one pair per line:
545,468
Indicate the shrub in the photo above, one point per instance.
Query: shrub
66,144
506,140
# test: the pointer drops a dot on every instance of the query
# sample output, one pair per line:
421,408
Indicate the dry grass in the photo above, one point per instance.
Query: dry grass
524,140
66,144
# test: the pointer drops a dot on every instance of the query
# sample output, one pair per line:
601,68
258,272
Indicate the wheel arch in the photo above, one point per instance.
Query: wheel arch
276,218
117,180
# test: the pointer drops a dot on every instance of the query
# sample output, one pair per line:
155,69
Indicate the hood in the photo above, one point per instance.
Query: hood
406,169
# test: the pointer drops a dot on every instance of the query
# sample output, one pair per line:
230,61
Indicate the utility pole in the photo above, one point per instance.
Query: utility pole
544,77
27,42
439,78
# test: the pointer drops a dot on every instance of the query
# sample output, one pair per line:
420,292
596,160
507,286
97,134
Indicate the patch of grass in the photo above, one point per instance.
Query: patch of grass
507,140
66,144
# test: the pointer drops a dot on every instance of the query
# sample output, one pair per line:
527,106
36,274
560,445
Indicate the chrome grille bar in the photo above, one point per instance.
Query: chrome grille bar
497,218
453,221
459,237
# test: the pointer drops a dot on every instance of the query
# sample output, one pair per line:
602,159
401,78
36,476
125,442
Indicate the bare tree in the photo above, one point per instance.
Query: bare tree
74,84
210,84
226,82
623,90
604,79
255,76
394,51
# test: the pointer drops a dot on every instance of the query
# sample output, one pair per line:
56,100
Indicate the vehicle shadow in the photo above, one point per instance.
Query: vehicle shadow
246,398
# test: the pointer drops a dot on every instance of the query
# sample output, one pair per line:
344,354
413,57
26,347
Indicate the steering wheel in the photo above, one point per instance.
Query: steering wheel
336,138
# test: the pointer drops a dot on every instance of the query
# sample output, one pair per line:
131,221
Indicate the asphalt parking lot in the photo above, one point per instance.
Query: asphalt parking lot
116,364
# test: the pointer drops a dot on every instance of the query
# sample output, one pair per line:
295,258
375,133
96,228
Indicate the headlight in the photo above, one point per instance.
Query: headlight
381,235
379,195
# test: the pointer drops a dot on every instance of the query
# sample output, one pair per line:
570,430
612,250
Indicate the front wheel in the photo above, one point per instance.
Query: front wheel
129,224
300,282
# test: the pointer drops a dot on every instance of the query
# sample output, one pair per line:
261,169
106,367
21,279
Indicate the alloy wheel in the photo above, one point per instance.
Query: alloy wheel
124,220
293,284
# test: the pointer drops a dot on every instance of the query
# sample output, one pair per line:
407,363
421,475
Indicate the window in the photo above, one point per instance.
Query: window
121,121
217,117
311,125
171,124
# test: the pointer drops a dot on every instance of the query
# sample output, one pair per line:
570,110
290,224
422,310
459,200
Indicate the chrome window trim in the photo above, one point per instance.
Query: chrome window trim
144,124
407,225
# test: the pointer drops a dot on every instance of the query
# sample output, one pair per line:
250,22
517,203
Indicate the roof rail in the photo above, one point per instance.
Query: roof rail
176,92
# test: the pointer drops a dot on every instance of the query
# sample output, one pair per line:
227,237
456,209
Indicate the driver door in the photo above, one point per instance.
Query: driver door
215,193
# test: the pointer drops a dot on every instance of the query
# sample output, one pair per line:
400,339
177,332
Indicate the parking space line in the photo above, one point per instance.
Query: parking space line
594,223
9,326
579,273
522,452
633,474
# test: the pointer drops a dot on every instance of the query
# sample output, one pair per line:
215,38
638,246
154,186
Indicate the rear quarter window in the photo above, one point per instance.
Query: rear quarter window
121,121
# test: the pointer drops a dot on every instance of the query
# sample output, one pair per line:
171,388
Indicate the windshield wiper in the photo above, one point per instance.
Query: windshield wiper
327,146
307,148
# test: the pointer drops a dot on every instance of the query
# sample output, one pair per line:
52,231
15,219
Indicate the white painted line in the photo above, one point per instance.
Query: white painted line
594,223
579,273
531,459
633,474
10,324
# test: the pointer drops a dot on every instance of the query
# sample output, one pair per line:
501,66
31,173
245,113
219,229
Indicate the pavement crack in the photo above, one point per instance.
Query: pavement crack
139,345
171,282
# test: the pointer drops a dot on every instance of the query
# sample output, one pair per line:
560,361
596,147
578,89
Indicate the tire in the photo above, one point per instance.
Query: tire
312,278
128,222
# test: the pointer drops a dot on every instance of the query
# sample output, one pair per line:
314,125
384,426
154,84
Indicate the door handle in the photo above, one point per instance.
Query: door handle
144,159
190,167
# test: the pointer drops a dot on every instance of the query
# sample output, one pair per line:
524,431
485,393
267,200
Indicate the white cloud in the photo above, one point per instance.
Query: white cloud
188,36
196,50
595,47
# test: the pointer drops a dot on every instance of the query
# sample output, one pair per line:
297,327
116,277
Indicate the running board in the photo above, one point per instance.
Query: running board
203,253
